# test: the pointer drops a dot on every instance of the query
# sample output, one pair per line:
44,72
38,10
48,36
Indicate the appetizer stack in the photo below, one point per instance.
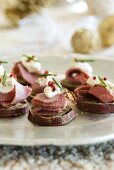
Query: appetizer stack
93,94
52,107
12,95
27,69
77,74
96,96
51,103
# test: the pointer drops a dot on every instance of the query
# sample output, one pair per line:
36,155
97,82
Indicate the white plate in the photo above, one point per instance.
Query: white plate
85,129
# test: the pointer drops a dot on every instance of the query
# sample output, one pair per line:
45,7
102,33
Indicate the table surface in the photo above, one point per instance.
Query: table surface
94,157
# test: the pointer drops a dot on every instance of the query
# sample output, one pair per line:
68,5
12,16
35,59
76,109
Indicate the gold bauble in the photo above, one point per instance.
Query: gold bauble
84,41
106,30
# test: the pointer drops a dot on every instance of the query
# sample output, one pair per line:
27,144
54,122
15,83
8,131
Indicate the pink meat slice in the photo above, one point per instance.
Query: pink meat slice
22,72
16,95
41,98
49,109
82,91
76,76
57,103
7,97
37,88
46,113
21,92
97,91
102,94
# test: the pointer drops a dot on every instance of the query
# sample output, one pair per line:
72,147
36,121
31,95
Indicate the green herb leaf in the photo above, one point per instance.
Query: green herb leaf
31,58
102,81
58,84
45,75
36,60
24,55
3,62
4,78
84,60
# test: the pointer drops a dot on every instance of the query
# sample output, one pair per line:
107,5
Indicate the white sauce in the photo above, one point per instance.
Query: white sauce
1,70
10,82
110,85
43,81
31,66
49,93
93,82
84,66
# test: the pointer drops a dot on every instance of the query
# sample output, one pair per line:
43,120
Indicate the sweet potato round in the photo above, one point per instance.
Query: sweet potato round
95,107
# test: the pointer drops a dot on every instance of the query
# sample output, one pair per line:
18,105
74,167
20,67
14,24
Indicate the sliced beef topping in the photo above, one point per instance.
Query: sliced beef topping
37,88
76,76
83,91
102,94
56,103
46,113
41,98
18,94
7,97
45,109
23,73
21,92
98,91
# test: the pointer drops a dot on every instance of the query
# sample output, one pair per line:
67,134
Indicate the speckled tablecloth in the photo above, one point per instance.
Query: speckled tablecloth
92,157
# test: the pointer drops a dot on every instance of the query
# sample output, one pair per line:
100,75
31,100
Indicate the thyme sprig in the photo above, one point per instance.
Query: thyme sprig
84,60
3,62
31,58
102,81
58,84
4,78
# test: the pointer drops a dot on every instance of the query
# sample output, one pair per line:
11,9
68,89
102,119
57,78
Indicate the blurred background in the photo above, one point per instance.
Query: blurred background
57,27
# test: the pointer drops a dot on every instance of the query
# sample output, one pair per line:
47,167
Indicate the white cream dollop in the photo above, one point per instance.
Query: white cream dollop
32,66
49,93
9,85
43,81
91,81
110,86
84,66
1,70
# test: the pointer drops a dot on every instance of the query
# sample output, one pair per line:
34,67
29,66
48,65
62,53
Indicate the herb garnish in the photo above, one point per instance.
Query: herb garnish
31,58
83,60
3,62
46,75
102,81
4,78
58,84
